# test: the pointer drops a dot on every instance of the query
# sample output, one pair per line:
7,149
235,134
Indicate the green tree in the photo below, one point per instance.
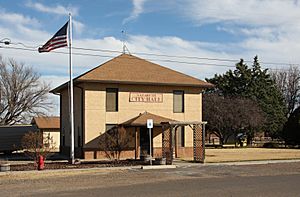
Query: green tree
256,84
291,131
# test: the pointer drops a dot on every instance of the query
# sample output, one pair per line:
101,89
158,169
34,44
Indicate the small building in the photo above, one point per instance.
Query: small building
125,92
50,126
211,139
11,137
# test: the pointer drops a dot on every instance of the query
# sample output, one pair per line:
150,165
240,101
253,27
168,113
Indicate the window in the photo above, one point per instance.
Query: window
111,99
178,101
181,136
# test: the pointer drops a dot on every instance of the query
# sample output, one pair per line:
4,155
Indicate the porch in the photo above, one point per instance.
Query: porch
170,139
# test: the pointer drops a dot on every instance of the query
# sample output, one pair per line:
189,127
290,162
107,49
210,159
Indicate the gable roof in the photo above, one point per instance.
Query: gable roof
129,69
46,122
141,120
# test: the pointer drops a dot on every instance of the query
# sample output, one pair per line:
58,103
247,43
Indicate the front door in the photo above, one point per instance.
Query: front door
144,141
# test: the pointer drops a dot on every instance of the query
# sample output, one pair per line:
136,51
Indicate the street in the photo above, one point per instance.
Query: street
282,185
278,179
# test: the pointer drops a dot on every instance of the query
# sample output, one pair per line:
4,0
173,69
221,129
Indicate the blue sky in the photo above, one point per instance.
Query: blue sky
223,29
108,18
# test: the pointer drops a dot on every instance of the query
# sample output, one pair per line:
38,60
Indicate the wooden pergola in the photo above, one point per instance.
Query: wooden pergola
168,128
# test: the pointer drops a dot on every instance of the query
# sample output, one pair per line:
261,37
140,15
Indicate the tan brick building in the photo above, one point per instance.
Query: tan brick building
126,91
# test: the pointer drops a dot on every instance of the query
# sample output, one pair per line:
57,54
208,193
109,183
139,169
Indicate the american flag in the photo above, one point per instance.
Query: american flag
57,41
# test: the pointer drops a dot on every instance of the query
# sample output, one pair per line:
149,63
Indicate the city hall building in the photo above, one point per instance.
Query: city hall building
126,91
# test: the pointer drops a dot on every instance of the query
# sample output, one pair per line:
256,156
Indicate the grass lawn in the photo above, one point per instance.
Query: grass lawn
249,154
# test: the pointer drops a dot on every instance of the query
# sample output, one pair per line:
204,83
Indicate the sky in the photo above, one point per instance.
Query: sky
206,29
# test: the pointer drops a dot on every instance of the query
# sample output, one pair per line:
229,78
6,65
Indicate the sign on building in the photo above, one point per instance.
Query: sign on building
146,97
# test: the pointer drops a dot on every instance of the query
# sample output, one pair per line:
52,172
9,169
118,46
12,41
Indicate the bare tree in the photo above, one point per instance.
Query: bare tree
37,144
113,142
22,93
288,82
228,116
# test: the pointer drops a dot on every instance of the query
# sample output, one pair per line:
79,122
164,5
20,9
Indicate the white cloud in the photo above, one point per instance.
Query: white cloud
78,26
251,12
21,28
266,28
138,8
15,18
58,9
176,46
265,19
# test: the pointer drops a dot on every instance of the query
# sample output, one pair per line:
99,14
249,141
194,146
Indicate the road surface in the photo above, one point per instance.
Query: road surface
282,179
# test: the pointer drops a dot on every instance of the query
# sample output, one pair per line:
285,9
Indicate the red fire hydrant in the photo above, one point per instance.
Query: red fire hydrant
41,163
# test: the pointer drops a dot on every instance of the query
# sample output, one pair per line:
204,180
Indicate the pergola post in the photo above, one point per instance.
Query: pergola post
163,146
203,139
198,143
167,149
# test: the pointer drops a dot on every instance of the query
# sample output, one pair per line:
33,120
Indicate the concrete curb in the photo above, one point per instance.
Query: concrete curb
158,167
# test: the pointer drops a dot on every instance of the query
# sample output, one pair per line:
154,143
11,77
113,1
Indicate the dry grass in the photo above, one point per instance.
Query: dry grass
250,154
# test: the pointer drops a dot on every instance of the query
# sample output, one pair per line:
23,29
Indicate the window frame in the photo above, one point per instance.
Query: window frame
181,92
116,91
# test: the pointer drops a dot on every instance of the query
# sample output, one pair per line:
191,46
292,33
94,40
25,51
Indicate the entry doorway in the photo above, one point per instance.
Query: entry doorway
145,141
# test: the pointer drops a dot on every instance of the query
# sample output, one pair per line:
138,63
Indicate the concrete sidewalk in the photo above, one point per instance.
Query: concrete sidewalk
255,162
180,163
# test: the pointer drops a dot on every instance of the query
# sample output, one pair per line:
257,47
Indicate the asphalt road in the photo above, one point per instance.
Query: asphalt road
281,179
282,185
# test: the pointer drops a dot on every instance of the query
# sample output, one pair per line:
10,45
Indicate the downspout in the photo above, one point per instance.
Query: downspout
82,132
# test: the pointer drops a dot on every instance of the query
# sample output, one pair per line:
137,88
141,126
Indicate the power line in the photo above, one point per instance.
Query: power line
182,56
163,55
111,56
98,50
159,55
58,52
95,55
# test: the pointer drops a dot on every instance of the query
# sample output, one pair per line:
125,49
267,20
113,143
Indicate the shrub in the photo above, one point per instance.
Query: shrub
36,144
113,142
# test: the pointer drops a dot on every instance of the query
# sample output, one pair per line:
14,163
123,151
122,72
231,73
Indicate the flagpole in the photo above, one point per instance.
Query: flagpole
71,92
